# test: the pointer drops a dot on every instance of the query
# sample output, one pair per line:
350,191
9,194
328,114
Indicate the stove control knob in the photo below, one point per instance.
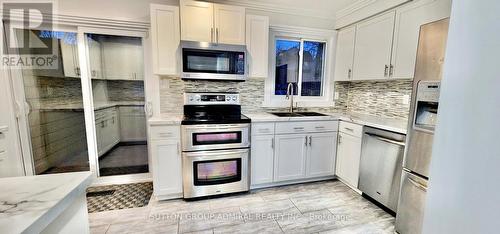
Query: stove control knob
228,98
234,98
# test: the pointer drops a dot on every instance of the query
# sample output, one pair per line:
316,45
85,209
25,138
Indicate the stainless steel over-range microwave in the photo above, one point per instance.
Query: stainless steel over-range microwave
210,61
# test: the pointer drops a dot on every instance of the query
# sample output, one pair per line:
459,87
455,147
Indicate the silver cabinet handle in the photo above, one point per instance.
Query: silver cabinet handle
212,34
217,35
4,129
385,70
391,70
102,124
349,73
349,129
272,143
178,148
340,139
418,185
310,140
306,142
298,128
77,71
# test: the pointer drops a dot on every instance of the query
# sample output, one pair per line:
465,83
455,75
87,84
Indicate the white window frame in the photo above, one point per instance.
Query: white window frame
301,34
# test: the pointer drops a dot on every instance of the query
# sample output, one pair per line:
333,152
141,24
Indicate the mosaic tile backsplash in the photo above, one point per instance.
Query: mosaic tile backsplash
379,98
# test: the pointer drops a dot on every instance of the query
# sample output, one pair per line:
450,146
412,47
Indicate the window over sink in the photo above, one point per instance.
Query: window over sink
300,57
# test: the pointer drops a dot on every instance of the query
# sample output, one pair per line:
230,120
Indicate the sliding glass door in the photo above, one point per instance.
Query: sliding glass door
116,69
54,103
87,112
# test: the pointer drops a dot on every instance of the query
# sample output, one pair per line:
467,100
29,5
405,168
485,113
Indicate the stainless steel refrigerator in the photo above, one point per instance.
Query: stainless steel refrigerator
422,120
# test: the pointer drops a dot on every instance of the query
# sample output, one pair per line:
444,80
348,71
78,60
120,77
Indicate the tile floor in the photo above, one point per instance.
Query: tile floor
125,159
322,207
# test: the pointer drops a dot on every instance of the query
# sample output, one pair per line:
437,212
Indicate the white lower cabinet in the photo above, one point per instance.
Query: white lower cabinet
348,157
290,163
107,130
262,159
322,151
290,152
166,162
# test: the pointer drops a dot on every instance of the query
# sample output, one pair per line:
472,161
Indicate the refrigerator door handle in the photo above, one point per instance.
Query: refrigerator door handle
418,185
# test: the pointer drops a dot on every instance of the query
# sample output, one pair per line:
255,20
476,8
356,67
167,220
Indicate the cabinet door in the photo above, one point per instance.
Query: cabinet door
262,159
123,58
197,21
95,61
165,38
229,24
167,167
99,128
348,157
114,127
409,18
345,54
290,157
257,34
372,55
70,62
321,157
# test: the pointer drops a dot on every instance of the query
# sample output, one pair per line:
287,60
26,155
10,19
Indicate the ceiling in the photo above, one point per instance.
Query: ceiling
324,9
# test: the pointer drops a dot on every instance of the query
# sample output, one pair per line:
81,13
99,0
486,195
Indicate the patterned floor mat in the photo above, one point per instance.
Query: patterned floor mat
116,197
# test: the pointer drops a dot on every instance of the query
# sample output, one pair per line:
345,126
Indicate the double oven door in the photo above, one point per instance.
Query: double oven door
215,136
215,159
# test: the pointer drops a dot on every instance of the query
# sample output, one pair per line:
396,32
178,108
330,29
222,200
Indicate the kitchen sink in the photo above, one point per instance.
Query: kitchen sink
297,114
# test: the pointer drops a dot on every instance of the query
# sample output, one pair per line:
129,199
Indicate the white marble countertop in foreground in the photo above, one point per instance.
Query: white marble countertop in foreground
389,124
28,204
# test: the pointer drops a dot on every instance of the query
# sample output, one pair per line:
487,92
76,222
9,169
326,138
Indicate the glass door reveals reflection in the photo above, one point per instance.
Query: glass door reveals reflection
54,96
116,70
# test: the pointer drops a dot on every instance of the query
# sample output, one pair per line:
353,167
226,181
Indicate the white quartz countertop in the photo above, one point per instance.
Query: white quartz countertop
389,124
28,204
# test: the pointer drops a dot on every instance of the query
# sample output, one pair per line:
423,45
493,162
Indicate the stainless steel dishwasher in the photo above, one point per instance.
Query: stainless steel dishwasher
381,164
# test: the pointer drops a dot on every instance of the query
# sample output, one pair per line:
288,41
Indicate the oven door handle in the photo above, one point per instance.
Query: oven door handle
215,153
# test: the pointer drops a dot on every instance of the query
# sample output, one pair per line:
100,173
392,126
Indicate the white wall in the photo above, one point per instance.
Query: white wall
464,193
131,10
138,10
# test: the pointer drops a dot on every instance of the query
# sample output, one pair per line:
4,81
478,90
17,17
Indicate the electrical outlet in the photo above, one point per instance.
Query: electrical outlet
336,96
406,99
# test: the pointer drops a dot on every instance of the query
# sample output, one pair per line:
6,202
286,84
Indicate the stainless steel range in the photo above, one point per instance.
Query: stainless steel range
215,145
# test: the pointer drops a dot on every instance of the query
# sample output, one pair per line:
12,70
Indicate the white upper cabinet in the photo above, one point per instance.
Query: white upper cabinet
95,61
257,40
197,21
123,58
409,18
70,62
372,56
209,22
229,24
165,39
345,53
385,46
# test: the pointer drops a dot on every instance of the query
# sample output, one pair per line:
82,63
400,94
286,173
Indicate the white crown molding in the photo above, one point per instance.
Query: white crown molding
353,7
86,21
275,8
302,30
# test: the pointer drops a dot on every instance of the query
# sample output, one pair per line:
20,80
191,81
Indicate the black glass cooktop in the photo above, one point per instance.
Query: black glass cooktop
213,114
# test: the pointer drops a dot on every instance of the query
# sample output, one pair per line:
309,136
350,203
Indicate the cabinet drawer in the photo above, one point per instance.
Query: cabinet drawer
351,129
305,127
262,128
165,132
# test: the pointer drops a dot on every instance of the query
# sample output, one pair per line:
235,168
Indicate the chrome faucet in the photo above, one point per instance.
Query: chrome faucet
289,95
